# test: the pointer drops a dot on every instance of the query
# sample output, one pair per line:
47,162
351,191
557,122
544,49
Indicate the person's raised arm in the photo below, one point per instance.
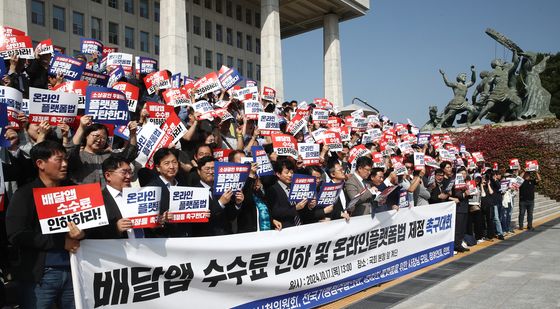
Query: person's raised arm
84,122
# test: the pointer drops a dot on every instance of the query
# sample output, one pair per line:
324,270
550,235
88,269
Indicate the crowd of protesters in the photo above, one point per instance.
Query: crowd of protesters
43,155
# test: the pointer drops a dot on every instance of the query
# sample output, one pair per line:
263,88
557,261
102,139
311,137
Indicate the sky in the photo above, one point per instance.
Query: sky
391,56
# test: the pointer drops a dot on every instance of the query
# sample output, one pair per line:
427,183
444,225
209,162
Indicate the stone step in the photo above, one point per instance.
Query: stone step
536,215
539,209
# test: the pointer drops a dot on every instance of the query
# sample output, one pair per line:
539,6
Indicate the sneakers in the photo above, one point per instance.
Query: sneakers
480,241
501,237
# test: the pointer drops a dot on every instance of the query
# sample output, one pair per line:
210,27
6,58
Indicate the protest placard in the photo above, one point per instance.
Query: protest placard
252,109
115,76
106,105
2,188
142,206
334,122
147,65
188,204
76,86
419,161
94,78
333,140
131,93
310,153
208,83
401,129
158,113
205,109
45,47
122,59
246,93
296,124
460,182
223,114
318,135
176,97
532,166
320,116
228,77
302,187
514,164
359,124
264,167
150,138
478,157
156,81
221,154
81,204
403,199
329,193
229,176
268,94
13,99
90,46
471,187
107,50
285,145
268,124
19,45
70,68
52,106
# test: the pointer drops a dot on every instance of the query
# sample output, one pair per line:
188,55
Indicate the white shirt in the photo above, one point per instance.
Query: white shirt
360,179
121,203
167,183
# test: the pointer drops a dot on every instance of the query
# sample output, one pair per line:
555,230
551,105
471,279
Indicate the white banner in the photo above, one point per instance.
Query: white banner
267,269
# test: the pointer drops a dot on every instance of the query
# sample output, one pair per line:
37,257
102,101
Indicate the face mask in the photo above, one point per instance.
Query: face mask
213,145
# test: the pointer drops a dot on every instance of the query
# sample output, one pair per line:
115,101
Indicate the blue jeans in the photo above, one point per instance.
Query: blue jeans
497,223
506,219
54,288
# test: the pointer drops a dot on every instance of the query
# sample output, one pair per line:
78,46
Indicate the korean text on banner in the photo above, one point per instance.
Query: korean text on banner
69,67
13,99
52,106
261,158
176,97
174,127
188,204
122,59
158,113
310,153
90,46
146,65
285,145
252,109
142,206
19,45
266,269
76,86
328,195
106,105
268,124
131,92
208,83
94,78
229,77
302,187
150,138
156,81
45,47
57,206
229,176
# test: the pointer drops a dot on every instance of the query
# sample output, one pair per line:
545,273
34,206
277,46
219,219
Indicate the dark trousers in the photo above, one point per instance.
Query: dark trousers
488,214
526,206
475,227
460,228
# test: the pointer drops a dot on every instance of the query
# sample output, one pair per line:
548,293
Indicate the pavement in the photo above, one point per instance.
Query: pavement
521,272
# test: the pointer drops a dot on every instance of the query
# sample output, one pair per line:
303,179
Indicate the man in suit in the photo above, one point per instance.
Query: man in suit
356,183
117,173
277,195
223,210
338,209
43,257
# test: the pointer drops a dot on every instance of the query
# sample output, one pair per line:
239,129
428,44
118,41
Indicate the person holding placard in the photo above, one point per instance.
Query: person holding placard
90,147
44,258
527,198
357,183
277,195
223,210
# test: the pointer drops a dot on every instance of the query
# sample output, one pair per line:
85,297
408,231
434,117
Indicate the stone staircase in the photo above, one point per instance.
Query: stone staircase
544,207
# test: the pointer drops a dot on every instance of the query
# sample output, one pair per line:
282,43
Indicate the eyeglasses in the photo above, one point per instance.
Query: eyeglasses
124,173
98,137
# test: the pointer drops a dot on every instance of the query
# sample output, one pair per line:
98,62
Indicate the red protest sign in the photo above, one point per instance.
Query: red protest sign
75,86
285,145
332,139
81,204
45,47
514,164
478,157
131,92
356,152
156,81
176,97
19,45
334,122
532,166
296,124
174,127
10,31
268,94
107,50
222,154
208,83
158,112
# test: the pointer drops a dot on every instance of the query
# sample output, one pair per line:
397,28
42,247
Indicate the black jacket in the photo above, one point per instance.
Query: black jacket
24,232
220,218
